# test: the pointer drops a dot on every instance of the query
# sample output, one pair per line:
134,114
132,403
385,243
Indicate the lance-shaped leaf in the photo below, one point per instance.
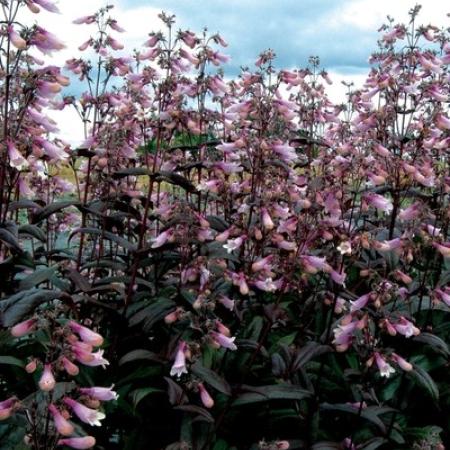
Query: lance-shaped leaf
211,377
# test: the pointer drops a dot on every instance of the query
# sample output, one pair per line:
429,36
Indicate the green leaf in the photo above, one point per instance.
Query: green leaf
37,277
10,240
139,394
32,231
53,208
211,378
435,342
12,361
139,355
308,352
370,413
423,379
15,308
201,412
106,235
274,392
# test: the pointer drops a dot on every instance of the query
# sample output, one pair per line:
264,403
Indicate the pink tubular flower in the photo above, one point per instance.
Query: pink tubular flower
85,19
179,366
78,442
63,426
16,39
205,397
234,244
7,408
85,414
385,368
359,303
406,328
100,393
402,363
23,328
224,341
87,335
266,219
48,5
379,202
70,367
262,264
161,239
16,159
443,295
226,302
411,212
47,381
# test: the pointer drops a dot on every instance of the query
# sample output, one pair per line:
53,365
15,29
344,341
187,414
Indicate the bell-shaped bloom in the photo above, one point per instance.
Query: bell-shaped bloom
266,285
406,328
86,334
78,442
411,212
385,368
224,341
179,366
16,159
442,122
115,26
234,244
70,367
84,20
16,39
162,238
266,219
7,408
226,302
63,426
285,152
100,393
402,363
85,414
23,328
98,360
379,202
48,5
443,295
205,397
359,303
47,381
262,264
443,249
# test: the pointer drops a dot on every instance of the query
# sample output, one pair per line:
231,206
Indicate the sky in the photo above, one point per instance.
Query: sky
343,33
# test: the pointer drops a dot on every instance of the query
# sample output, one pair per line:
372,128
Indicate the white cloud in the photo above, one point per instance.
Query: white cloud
370,14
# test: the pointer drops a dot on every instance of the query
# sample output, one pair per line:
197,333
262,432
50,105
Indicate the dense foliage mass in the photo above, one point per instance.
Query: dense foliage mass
251,265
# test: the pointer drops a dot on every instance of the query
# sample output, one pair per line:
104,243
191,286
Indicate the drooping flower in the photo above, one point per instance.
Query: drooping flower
78,442
86,334
234,244
224,341
205,397
16,39
85,414
63,426
16,159
385,368
100,393
179,365
47,381
23,328
401,362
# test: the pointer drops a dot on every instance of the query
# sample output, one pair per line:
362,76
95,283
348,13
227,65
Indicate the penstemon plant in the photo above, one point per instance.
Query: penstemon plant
267,269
